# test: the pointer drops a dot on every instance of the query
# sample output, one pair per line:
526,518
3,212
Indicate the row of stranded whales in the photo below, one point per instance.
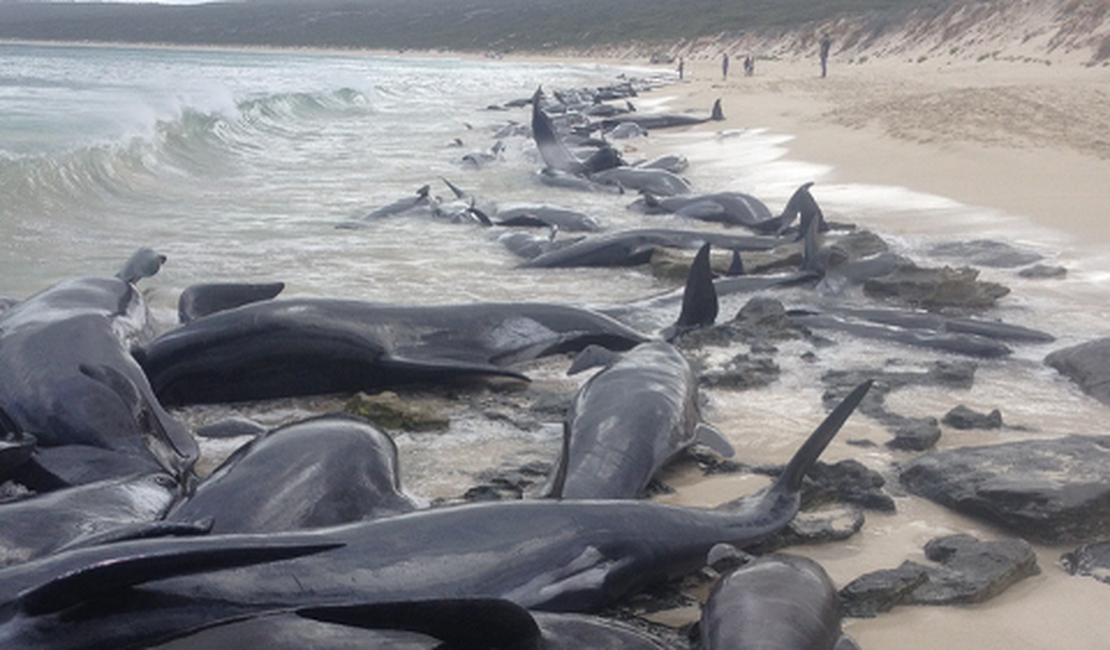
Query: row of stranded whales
545,555
67,377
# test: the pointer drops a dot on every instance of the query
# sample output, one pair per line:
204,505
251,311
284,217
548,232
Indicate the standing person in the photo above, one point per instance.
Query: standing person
749,66
681,65
724,66
826,43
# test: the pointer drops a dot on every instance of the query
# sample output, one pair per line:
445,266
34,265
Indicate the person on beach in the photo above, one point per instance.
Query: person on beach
681,65
826,43
749,66
724,66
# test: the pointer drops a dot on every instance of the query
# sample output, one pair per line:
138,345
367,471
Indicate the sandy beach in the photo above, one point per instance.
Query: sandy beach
1027,138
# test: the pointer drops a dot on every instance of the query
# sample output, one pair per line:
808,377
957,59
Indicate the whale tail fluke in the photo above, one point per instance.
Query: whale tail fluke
806,456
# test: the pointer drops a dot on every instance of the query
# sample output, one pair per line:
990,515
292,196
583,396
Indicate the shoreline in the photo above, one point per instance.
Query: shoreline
952,129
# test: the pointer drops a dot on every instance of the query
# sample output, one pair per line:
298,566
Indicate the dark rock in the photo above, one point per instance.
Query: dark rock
962,417
830,524
1051,491
1087,364
389,411
861,244
743,372
1089,560
984,252
848,481
971,571
935,289
879,591
1043,272
765,318
912,434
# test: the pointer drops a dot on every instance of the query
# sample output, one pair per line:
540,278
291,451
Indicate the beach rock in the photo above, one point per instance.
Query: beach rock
879,591
1043,272
862,243
742,372
759,322
848,481
935,289
1089,560
1087,364
970,571
912,434
828,524
985,252
961,417
1050,491
389,411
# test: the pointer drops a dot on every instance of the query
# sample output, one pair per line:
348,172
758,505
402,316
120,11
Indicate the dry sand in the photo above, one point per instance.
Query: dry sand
1030,139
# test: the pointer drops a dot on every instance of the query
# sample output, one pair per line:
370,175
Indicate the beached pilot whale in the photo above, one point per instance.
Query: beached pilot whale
666,120
479,623
628,421
313,346
575,556
67,377
323,471
775,602
46,523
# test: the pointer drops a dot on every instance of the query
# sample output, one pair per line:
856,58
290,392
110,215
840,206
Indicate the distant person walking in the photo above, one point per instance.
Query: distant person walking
749,66
724,66
681,66
826,43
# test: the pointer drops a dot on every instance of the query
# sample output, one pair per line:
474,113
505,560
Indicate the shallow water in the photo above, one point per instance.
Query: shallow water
238,166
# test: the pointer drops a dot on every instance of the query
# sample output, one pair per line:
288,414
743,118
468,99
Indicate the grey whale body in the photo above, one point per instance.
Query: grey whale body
312,346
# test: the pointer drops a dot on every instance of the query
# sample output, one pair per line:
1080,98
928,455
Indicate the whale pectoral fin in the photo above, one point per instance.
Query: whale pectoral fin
117,382
593,356
559,480
461,622
104,574
846,642
707,435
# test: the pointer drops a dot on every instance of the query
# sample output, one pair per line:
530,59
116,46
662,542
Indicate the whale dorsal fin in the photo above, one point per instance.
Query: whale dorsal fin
593,356
699,301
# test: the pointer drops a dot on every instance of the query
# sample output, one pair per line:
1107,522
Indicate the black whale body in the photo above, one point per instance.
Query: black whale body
312,346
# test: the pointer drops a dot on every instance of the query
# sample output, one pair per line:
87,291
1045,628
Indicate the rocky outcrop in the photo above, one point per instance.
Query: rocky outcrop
936,289
1049,491
969,571
1087,364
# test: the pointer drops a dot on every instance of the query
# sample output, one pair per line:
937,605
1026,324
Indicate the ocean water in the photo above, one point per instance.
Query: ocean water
238,165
